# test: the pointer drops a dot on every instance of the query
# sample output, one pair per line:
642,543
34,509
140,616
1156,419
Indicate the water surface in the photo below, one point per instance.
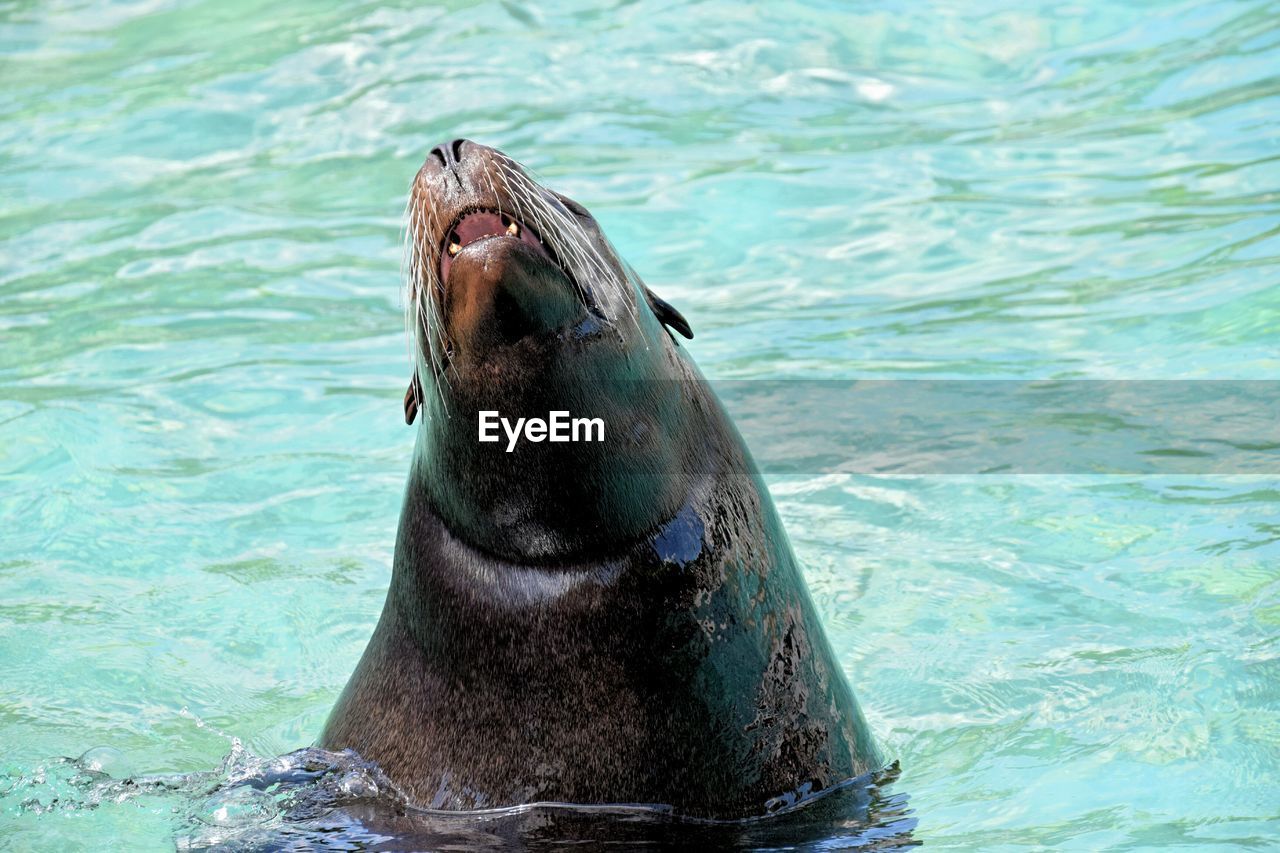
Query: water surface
202,358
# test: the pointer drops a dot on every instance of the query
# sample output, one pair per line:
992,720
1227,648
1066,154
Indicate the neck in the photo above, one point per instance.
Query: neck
541,501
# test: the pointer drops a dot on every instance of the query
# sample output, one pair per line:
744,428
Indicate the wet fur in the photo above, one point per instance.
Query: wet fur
612,623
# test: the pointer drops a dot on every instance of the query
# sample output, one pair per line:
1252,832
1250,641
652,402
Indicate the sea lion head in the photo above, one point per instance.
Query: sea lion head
520,305
500,266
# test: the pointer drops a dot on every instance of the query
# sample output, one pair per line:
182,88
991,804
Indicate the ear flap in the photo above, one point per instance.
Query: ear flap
412,399
667,315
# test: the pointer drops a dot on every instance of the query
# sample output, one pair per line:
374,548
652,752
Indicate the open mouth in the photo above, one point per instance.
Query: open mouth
485,224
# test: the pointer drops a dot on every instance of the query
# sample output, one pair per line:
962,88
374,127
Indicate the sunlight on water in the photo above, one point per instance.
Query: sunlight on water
202,358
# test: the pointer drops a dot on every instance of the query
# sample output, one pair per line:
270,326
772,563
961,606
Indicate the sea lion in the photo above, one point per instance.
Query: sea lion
616,621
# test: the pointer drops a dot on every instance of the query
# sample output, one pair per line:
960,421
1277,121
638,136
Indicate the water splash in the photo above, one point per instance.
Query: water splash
314,797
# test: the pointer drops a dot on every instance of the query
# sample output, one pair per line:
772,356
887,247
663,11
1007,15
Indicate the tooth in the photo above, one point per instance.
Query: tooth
454,248
513,229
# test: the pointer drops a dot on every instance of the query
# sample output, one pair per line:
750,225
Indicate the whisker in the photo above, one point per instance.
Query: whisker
423,283
596,274
555,226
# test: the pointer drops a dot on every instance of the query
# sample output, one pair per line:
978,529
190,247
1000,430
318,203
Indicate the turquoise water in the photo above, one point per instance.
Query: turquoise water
202,358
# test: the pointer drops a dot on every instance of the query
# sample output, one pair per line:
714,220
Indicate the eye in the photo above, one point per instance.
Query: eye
574,208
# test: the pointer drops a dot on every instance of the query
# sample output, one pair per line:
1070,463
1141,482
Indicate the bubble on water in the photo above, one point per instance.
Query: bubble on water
106,760
238,807
358,785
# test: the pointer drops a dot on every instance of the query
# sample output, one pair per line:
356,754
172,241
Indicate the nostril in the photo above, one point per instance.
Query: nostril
449,153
